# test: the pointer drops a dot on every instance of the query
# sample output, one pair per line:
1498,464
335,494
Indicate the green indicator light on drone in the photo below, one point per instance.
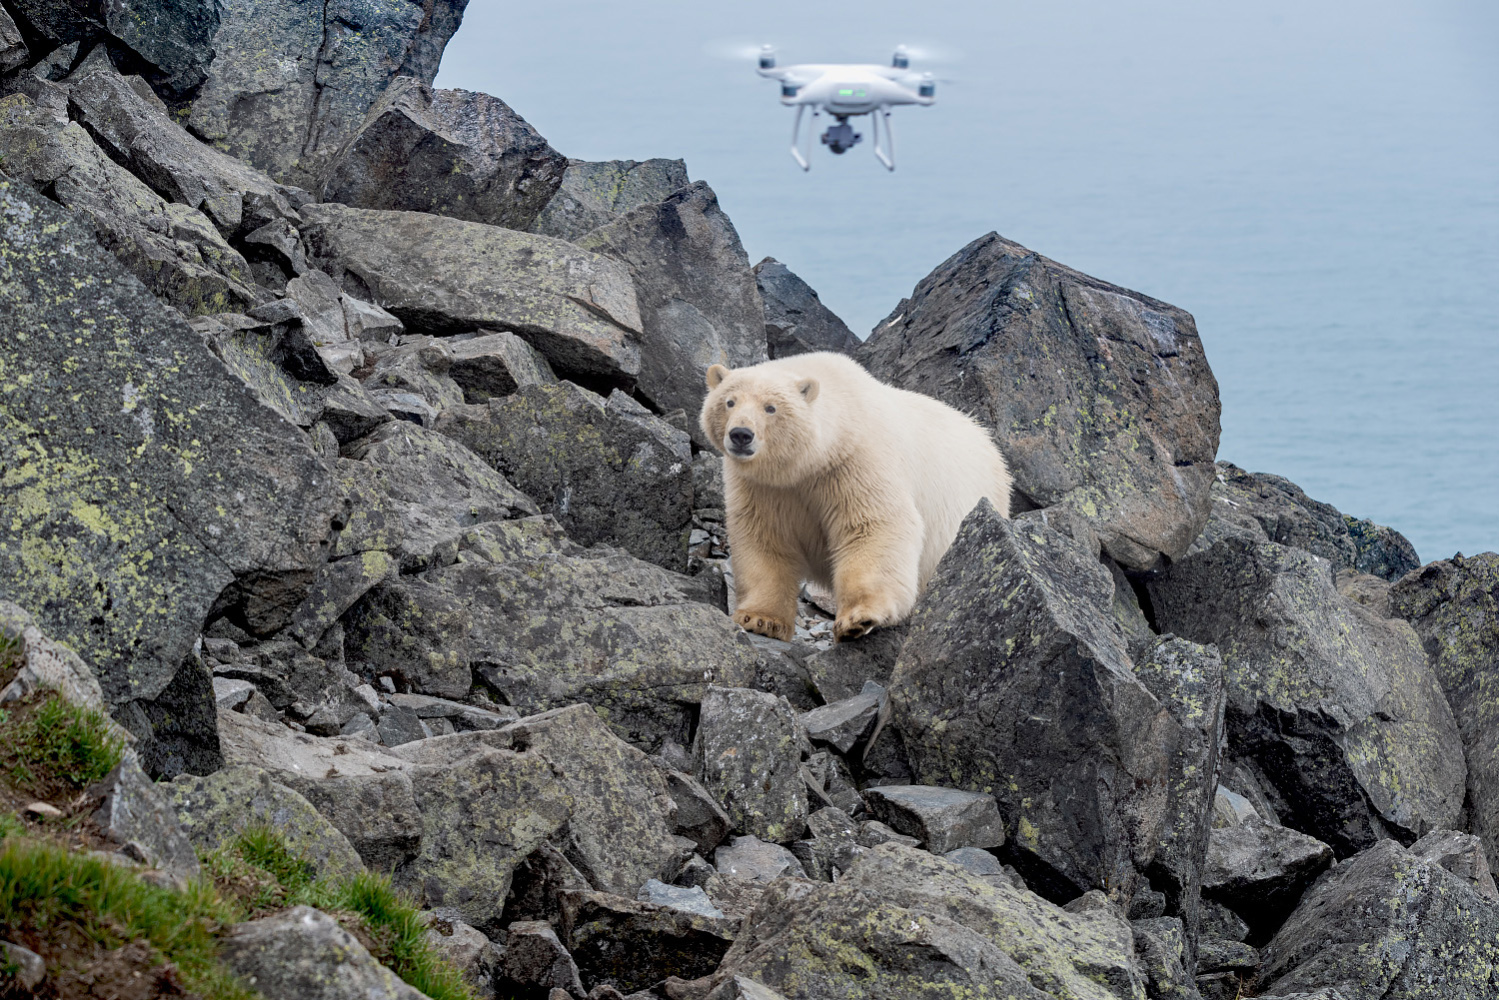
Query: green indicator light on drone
845,93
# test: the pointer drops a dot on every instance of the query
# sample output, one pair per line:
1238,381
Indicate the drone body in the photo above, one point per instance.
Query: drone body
847,91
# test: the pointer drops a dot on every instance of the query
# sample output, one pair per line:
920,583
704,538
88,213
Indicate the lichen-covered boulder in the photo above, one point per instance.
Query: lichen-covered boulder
1334,706
415,633
698,302
595,194
496,363
448,152
442,275
133,811
1387,925
608,470
943,819
1454,607
796,321
290,82
164,484
173,249
376,812
1100,398
748,755
305,953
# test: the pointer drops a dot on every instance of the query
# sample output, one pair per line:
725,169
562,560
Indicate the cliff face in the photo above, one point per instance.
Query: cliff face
347,459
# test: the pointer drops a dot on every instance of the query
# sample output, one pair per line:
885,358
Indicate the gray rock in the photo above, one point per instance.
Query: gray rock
1220,955
697,297
1269,508
608,470
447,152
1454,607
943,819
1136,459
535,959
134,811
796,321
304,953
1218,921
43,664
538,883
699,816
29,967
415,633
1335,706
173,249
473,954
338,587
1071,710
13,52
270,744
213,810
465,717
1387,924
743,988
873,833
631,945
754,860
400,725
141,137
231,694
845,724
1232,809
376,812
975,860
290,83
843,671
1160,950
441,275
691,898
199,500
1259,871
496,364
747,753
595,194
1462,855
482,815
323,695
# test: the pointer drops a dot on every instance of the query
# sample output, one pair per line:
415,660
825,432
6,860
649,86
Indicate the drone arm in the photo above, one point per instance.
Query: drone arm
887,154
796,129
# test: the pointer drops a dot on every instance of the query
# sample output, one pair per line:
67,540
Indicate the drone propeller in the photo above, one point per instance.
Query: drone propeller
739,51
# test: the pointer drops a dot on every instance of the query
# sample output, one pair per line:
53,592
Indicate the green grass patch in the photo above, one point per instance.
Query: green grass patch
50,747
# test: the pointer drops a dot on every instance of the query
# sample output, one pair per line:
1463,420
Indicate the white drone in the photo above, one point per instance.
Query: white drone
846,91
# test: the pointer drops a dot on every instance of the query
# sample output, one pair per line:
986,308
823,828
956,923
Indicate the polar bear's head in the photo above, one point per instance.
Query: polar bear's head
760,416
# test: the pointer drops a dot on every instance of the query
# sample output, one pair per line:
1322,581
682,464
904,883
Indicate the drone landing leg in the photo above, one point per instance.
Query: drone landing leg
887,158
796,128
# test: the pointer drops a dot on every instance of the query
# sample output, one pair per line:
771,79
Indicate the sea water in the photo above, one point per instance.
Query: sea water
1317,182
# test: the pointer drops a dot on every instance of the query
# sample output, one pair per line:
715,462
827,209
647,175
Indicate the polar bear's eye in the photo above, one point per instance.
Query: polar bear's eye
730,404
769,408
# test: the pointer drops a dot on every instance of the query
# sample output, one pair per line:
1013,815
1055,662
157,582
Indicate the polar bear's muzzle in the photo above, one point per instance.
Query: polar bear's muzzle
740,442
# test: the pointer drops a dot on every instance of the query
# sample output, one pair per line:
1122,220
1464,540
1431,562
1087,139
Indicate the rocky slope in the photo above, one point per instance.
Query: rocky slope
347,457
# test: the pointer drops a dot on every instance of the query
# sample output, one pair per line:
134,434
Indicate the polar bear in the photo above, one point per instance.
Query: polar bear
832,476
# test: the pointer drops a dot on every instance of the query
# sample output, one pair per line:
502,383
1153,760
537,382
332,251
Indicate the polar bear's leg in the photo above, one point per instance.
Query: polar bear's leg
767,579
876,569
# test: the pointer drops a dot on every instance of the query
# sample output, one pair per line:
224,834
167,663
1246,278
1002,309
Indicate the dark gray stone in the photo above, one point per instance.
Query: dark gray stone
748,755
1462,855
536,960
415,633
595,194
1334,706
302,952
1160,950
848,723
631,945
608,470
321,694
13,51
699,817
496,364
447,152
1124,434
133,811
376,812
697,297
796,321
754,860
943,819
400,725
689,898
1259,871
1387,925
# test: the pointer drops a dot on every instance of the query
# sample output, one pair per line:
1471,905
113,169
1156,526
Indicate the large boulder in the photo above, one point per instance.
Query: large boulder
1454,608
1335,707
608,470
1100,398
290,82
173,249
796,321
163,486
1273,509
1015,681
441,275
304,953
448,152
631,945
1259,870
13,51
595,194
748,755
1387,925
698,302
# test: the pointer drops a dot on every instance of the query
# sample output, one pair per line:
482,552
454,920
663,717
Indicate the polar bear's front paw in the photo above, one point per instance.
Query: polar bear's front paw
762,624
853,626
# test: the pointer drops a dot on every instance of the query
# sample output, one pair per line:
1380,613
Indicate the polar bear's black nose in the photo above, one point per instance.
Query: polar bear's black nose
740,437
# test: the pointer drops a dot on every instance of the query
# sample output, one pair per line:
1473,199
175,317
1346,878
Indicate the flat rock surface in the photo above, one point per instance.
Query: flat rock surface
594,194
944,819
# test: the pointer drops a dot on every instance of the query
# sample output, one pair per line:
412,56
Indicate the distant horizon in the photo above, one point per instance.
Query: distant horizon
1316,182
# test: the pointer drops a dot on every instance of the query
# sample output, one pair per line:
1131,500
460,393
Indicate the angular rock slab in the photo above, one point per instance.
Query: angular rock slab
1454,607
796,321
133,810
290,82
305,953
848,722
376,812
748,755
1016,682
536,959
1336,707
753,860
1259,871
1101,398
943,819
631,945
595,194
138,505
496,364
447,152
698,302
1387,925
1462,855
608,470
441,275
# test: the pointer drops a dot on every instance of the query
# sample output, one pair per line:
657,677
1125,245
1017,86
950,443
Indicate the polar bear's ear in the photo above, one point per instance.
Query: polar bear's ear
716,374
808,388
